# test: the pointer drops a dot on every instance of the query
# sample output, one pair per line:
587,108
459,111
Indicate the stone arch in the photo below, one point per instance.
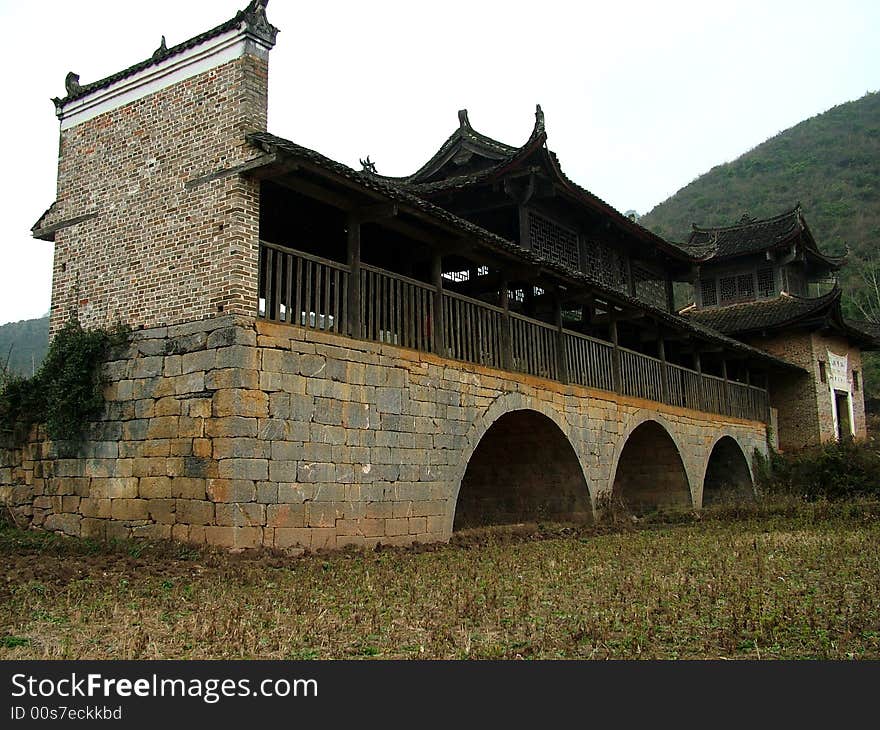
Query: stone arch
728,474
649,471
521,463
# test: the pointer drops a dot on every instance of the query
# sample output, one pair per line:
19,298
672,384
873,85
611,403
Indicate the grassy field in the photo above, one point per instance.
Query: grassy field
793,582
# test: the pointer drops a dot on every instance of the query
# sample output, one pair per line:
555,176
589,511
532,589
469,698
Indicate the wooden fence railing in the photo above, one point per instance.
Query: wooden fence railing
308,291
590,361
472,330
395,309
534,346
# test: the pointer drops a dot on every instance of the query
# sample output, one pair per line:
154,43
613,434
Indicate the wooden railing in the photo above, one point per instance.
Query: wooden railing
641,375
472,330
590,361
396,309
304,290
534,346
308,291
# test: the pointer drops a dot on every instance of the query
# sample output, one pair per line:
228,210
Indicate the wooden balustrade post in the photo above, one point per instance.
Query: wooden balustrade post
438,329
664,372
726,386
354,278
506,339
561,356
701,384
615,355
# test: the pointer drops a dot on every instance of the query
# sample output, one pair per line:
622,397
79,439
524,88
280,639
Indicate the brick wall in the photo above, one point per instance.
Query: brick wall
805,414
822,344
241,433
158,252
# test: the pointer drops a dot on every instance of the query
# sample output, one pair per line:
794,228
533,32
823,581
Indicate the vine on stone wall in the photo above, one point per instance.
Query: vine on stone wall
67,391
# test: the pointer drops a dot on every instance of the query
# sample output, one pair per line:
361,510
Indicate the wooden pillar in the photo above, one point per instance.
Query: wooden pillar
506,339
664,371
670,294
726,385
438,329
615,354
354,278
561,356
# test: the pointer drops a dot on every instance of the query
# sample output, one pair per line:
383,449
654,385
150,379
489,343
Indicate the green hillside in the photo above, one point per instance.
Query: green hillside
24,344
830,163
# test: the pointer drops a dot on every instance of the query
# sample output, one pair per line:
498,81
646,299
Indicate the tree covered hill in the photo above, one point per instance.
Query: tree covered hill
830,163
23,345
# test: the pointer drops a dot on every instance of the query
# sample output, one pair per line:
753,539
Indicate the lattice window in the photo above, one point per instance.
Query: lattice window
745,287
553,241
516,295
728,289
766,286
606,265
482,270
708,293
650,287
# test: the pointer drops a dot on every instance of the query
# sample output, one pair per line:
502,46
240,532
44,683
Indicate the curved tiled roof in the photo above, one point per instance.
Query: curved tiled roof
516,156
780,311
752,235
783,312
749,235
465,137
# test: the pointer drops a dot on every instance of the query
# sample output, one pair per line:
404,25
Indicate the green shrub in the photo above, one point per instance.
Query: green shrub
66,392
833,471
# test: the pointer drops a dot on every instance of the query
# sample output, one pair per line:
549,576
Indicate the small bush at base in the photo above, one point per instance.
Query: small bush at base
834,471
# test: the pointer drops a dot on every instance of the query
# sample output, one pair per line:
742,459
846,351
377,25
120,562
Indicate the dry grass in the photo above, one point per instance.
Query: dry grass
796,581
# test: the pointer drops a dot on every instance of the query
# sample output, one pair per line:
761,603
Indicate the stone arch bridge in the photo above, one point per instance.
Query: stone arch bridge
239,432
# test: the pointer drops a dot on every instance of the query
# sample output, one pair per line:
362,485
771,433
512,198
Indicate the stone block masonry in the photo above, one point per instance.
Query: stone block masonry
235,432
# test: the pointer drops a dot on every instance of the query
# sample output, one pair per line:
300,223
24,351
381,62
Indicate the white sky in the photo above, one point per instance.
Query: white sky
639,97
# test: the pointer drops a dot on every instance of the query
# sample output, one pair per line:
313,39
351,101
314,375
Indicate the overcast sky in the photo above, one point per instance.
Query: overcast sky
639,97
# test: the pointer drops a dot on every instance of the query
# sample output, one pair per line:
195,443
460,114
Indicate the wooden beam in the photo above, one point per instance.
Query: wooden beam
506,338
561,358
615,356
375,213
664,370
438,329
316,192
258,167
354,278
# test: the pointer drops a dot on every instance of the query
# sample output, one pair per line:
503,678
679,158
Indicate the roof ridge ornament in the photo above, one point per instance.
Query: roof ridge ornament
254,15
463,121
161,51
367,165
747,219
539,118
71,83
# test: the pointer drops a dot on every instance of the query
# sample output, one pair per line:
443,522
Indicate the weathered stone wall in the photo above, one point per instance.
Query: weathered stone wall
159,252
524,469
651,473
239,433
